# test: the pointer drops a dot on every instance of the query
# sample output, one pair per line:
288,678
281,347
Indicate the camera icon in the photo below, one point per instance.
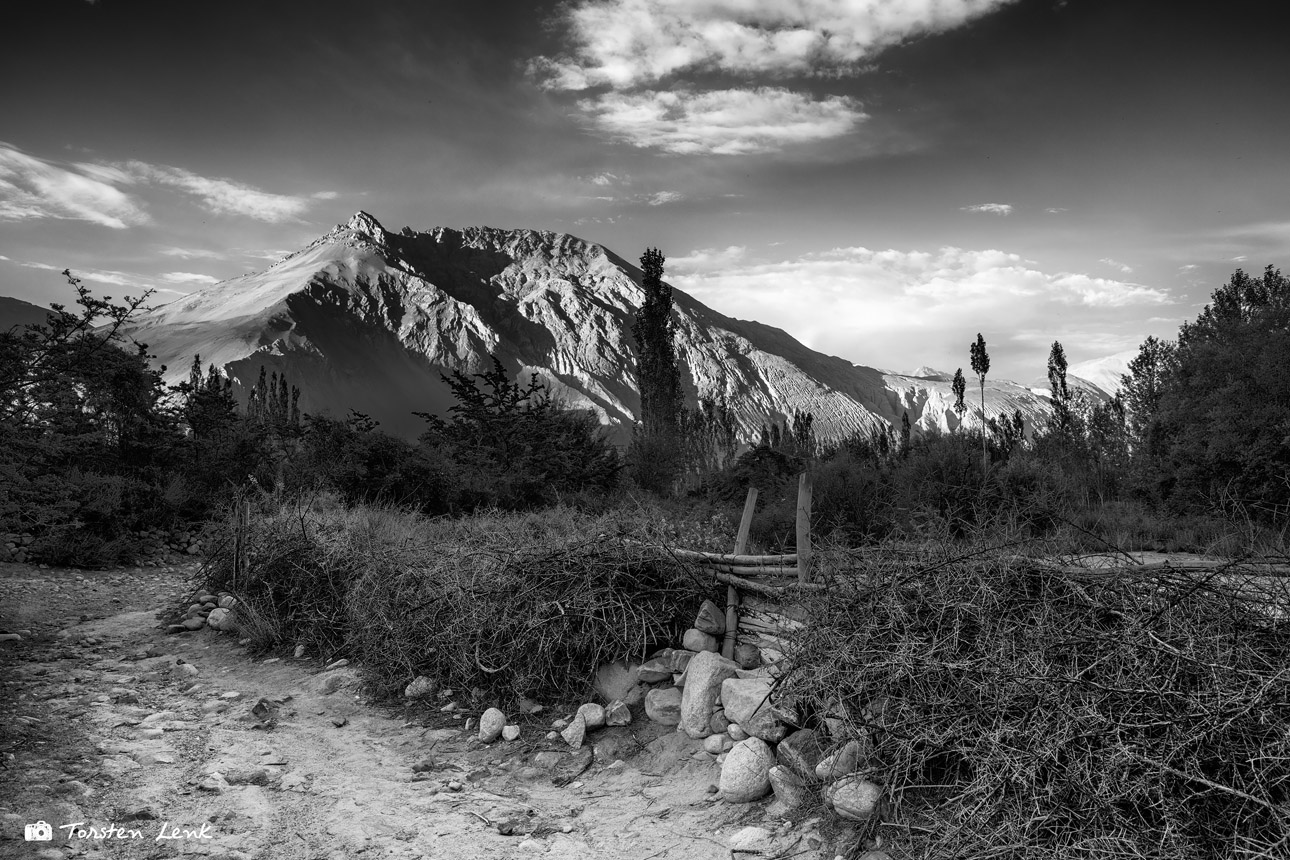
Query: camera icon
38,832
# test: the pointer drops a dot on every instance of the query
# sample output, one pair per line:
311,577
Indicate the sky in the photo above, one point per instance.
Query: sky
881,179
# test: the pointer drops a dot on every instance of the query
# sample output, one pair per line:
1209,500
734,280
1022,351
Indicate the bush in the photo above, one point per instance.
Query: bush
513,604
1058,714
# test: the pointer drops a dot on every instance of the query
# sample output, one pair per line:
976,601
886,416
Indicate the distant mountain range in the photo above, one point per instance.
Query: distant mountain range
368,319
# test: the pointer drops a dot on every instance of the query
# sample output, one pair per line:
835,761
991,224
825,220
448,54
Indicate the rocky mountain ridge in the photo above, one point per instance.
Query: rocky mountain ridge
368,319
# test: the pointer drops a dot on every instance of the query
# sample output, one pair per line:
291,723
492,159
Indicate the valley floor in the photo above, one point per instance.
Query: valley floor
108,721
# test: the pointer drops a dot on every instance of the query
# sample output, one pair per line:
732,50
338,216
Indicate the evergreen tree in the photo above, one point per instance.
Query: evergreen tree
959,387
981,366
659,377
1061,393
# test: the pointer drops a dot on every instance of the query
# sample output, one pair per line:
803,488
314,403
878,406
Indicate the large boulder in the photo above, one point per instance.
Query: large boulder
576,732
745,774
618,681
853,798
704,677
791,793
663,706
655,670
220,619
744,697
617,714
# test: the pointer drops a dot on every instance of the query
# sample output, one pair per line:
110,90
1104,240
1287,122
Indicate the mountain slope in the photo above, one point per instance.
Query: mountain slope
367,319
16,312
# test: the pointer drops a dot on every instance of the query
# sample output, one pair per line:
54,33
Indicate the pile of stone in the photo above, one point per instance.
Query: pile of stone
730,705
155,544
216,611
17,547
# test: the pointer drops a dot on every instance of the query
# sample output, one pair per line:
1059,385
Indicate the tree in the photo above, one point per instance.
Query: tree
904,434
981,366
1144,385
959,387
658,376
1061,393
1222,422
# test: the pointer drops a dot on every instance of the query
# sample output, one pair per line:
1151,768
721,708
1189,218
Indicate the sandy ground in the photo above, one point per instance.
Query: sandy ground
108,721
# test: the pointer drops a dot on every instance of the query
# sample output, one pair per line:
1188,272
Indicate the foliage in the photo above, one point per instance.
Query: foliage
981,366
513,447
657,371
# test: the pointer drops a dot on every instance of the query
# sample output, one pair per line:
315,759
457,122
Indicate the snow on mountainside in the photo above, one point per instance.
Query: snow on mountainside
367,319
1105,372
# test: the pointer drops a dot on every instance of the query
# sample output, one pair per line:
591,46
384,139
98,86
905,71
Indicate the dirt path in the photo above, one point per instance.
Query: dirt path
106,720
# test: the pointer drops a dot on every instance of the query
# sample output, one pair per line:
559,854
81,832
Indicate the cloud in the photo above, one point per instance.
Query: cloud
325,195
221,196
662,197
636,52
188,278
603,179
989,208
623,44
1189,267
1115,264
32,187
190,253
889,307
1056,210
724,122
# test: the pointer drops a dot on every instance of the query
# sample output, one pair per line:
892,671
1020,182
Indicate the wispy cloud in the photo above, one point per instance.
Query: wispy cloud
723,122
604,180
190,253
637,51
1116,264
1056,210
32,187
188,278
221,196
662,197
99,276
989,208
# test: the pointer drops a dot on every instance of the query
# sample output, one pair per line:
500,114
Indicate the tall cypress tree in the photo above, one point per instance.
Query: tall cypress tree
981,366
657,371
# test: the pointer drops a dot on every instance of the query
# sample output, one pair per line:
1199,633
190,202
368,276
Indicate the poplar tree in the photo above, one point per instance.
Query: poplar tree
658,375
981,366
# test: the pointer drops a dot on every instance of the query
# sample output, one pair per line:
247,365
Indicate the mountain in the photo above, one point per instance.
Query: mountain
16,312
368,319
1105,372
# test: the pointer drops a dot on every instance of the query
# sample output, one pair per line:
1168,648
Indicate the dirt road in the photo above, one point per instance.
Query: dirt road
159,745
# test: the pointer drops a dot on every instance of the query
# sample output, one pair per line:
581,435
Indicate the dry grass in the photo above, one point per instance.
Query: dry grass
1022,712
506,604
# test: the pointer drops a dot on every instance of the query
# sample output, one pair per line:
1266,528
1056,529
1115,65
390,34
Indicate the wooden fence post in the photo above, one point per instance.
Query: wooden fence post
804,528
732,595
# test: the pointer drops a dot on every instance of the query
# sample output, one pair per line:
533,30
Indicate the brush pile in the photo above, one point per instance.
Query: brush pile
1014,709
510,605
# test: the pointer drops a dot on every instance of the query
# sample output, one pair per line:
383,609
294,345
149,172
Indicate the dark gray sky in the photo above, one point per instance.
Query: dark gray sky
881,179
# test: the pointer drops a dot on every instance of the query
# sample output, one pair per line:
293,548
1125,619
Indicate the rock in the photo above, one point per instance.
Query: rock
618,681
745,772
697,640
194,623
711,619
206,598
420,688
747,655
189,669
663,706
547,759
719,723
853,798
220,619
752,840
841,762
736,732
747,703
618,714
10,637
528,706
228,601
593,715
800,752
654,671
743,697
510,733
706,673
576,732
491,725
255,776
791,793
681,659
717,744
176,628
298,653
